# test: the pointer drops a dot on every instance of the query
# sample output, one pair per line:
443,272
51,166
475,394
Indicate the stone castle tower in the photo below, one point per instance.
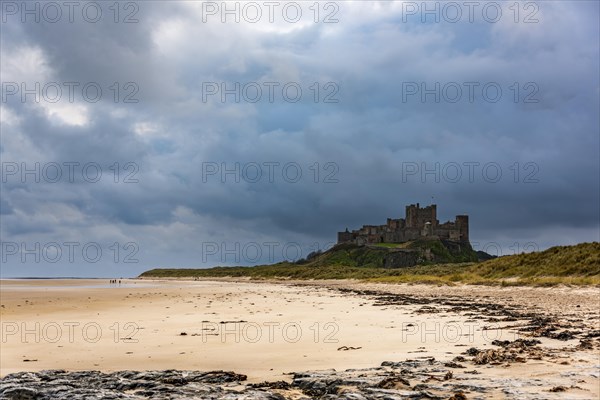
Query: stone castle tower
419,223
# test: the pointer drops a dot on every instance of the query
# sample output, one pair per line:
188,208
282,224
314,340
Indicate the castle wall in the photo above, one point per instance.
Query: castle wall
403,235
416,217
345,237
393,224
462,222
419,223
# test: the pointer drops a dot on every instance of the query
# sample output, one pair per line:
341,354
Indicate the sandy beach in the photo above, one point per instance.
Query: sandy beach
266,330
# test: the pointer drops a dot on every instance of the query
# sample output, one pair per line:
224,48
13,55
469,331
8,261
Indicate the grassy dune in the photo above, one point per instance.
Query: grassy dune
574,265
579,264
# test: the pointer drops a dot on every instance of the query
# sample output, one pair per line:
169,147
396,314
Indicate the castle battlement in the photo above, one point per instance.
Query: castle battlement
418,223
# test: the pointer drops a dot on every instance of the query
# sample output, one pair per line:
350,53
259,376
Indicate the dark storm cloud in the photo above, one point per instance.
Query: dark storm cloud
368,142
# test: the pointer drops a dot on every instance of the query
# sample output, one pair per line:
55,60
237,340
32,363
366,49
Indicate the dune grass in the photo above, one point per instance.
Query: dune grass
577,265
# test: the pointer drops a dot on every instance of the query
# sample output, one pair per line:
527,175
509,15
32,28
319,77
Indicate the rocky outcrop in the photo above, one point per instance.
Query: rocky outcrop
419,378
95,385
413,379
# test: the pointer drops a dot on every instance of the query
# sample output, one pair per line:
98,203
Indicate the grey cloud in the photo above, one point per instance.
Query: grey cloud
370,134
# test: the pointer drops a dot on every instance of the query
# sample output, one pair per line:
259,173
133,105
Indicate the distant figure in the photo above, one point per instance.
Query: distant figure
119,282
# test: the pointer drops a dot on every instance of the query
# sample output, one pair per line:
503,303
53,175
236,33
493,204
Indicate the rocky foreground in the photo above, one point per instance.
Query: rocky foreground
416,379
419,378
386,382
423,378
563,346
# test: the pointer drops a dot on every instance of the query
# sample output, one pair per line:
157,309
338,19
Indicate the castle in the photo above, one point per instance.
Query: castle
419,223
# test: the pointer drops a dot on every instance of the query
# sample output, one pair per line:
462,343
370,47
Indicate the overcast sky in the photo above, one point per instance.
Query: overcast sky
167,134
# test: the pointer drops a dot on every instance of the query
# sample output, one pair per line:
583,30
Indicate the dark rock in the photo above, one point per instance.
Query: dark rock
272,385
558,389
472,351
393,382
458,396
453,364
20,393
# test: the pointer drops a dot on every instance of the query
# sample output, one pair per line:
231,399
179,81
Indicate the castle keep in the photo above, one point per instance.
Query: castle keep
419,223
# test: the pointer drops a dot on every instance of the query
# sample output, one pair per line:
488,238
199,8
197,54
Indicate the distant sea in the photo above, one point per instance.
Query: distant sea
102,283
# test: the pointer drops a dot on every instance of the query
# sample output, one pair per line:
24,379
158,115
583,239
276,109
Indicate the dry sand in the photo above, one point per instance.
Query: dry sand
266,329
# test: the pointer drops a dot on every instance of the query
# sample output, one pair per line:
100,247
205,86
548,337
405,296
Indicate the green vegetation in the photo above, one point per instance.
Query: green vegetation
572,265
350,255
374,256
582,260
445,252
390,245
